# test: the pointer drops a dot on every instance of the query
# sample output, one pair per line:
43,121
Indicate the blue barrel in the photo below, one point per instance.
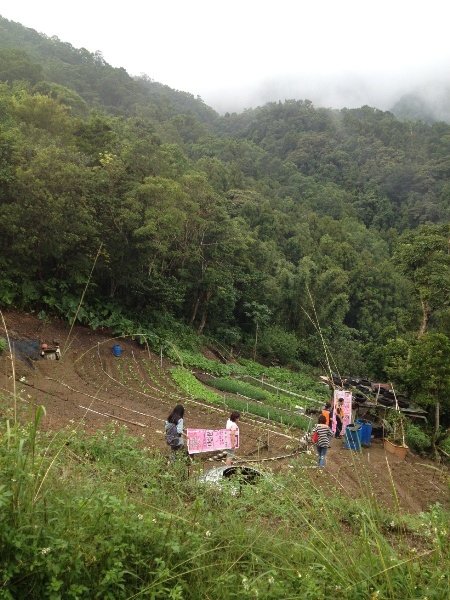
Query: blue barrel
117,350
366,432
352,438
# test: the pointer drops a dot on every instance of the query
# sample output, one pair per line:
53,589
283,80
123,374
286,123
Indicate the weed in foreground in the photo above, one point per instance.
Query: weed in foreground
113,520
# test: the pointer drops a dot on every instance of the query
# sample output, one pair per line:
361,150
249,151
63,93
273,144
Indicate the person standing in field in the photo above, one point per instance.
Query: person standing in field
174,429
233,427
324,436
327,413
339,417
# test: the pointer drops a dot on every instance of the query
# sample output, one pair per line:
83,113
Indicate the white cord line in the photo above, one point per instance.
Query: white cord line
275,387
105,401
114,417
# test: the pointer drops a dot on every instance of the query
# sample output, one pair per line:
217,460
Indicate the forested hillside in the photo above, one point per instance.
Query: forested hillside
275,221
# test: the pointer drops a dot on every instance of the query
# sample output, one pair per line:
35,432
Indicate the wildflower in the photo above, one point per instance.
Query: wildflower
271,580
245,583
208,534
392,524
105,437
154,520
140,517
299,575
45,551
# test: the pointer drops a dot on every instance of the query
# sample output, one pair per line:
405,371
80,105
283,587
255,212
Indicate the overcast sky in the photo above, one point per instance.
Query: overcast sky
239,53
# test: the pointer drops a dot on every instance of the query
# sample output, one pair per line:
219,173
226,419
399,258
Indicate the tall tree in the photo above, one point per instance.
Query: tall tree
429,373
424,256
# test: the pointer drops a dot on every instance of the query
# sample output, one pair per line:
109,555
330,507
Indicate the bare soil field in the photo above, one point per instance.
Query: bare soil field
92,387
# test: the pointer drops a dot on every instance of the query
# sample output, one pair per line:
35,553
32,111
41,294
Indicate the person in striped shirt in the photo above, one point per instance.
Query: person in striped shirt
323,443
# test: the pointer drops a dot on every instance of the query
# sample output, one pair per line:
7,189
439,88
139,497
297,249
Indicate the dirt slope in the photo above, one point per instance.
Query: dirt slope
91,385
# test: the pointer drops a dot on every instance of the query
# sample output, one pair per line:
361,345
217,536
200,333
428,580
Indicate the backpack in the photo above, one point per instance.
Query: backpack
315,437
172,435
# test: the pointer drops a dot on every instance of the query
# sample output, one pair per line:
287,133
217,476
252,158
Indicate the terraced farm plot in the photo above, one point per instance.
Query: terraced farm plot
90,388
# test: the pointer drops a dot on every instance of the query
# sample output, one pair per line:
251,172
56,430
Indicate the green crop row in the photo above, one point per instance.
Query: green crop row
239,387
192,386
304,383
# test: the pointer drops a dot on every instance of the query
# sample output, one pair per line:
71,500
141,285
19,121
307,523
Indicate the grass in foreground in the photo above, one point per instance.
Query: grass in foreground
98,517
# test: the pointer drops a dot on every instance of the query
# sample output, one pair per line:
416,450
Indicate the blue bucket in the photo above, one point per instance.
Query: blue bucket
352,438
366,432
117,350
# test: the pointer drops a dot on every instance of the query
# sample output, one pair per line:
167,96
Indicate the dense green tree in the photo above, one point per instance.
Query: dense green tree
16,65
429,373
286,215
423,256
260,315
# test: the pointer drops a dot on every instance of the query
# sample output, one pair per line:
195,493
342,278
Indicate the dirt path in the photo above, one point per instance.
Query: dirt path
91,385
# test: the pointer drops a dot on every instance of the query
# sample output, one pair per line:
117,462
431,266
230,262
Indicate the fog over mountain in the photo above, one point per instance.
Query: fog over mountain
424,95
243,54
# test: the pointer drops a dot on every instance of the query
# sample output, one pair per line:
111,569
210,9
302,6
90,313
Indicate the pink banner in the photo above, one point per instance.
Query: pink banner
209,440
346,406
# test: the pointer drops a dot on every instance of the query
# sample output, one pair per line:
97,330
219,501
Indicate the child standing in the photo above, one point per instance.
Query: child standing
233,427
323,443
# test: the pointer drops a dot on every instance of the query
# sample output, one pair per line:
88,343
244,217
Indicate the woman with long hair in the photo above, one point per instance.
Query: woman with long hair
174,428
